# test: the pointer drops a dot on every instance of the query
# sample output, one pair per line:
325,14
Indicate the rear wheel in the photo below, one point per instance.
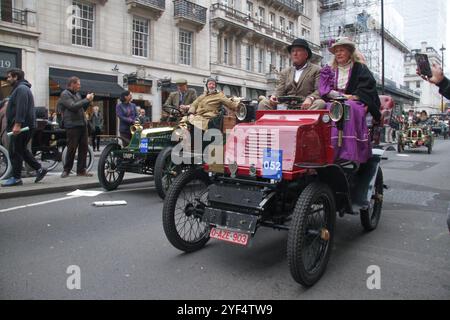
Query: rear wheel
311,235
49,164
182,211
165,172
108,174
5,164
89,158
371,217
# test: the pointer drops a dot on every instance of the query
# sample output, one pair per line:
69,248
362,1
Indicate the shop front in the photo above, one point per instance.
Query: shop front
9,58
105,87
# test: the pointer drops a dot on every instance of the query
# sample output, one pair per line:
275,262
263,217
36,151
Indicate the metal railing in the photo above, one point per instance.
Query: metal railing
189,10
294,5
161,4
14,16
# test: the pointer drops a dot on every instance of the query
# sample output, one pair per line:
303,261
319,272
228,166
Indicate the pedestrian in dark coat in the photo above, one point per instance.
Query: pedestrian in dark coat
19,115
72,108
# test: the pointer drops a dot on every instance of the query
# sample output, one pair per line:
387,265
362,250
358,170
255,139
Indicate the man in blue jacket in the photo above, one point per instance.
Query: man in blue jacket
19,115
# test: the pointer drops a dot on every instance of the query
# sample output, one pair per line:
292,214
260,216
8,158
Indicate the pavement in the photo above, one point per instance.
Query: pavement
54,183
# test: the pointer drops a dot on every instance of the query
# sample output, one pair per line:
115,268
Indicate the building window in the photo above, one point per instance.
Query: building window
140,38
282,24
261,61
291,28
228,3
417,84
249,58
249,9
306,33
272,61
186,47
225,51
302,6
82,24
262,15
272,20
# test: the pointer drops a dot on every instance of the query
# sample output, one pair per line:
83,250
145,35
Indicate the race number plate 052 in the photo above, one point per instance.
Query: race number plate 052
229,236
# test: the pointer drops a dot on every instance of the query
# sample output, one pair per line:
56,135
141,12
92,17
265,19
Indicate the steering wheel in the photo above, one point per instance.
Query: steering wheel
172,111
293,102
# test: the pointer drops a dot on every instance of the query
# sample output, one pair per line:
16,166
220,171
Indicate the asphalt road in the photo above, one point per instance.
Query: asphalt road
122,252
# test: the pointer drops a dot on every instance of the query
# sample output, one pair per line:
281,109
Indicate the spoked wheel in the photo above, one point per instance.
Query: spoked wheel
183,209
47,164
311,235
89,159
5,164
165,172
371,217
108,174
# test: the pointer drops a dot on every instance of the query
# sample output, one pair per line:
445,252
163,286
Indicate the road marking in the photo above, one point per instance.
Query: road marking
72,195
38,204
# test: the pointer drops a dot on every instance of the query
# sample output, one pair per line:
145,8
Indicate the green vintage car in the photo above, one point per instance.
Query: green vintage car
149,153
416,137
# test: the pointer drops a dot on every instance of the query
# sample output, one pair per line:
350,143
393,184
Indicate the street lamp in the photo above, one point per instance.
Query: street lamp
442,97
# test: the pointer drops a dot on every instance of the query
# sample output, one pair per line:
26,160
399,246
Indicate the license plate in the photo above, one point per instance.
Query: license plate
128,156
229,236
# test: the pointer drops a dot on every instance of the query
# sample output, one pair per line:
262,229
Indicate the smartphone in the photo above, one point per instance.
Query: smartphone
423,64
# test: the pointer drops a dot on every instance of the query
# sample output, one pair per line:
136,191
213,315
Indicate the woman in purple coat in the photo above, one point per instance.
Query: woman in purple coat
126,112
352,79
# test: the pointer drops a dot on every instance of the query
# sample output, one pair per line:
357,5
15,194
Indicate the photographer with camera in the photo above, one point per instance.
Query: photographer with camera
72,108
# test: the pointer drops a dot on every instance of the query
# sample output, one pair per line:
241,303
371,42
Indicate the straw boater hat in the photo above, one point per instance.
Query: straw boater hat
181,81
343,42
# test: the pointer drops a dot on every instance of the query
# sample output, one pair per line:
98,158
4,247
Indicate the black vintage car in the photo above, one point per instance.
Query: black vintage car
48,145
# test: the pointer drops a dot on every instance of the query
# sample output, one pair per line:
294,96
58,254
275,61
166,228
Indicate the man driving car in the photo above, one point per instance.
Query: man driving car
178,99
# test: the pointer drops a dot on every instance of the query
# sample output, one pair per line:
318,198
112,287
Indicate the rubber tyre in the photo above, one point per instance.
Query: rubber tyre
89,158
297,236
163,164
370,221
105,161
52,164
6,166
170,204
400,148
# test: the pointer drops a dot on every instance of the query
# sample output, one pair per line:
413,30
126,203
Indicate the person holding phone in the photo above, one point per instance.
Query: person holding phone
438,78
72,108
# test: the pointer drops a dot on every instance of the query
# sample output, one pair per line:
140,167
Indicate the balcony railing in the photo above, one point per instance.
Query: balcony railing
158,4
190,11
292,5
15,16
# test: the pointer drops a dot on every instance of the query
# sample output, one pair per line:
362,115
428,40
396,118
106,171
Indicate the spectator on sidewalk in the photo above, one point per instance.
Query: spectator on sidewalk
19,115
3,123
142,117
126,112
96,125
72,108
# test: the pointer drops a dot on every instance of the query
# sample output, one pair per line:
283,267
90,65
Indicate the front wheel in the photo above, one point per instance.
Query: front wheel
371,217
5,164
182,211
109,176
310,238
165,172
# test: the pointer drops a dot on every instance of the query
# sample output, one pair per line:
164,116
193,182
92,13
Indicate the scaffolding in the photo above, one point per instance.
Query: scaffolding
358,20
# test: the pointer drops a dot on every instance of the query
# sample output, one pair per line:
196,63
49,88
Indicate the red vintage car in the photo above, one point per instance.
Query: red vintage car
280,172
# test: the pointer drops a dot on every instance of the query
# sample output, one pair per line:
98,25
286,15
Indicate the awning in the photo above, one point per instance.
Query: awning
101,85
